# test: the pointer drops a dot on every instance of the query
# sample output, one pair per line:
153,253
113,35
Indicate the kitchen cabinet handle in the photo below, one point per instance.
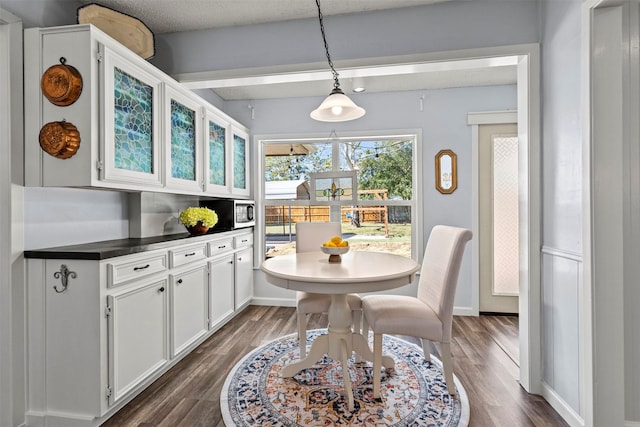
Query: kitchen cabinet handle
222,247
190,254
141,268
161,289
239,259
179,281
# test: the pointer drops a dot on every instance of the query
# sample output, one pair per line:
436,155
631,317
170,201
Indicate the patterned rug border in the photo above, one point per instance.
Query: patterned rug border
224,396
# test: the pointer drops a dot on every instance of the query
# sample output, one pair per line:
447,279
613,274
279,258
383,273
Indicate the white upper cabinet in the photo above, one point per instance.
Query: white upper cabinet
131,146
183,133
129,125
217,154
240,158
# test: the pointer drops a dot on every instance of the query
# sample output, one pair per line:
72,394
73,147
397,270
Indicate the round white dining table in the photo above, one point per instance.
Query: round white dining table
359,271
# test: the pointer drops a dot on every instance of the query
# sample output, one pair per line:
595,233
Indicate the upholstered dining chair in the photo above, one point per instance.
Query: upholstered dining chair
428,316
309,237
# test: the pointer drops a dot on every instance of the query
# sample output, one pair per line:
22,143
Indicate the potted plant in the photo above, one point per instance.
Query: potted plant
198,220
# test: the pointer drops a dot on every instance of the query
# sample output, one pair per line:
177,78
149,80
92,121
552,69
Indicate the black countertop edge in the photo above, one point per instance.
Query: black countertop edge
115,248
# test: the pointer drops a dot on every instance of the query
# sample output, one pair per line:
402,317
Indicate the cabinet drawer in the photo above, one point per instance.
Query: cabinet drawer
220,246
185,255
243,241
121,271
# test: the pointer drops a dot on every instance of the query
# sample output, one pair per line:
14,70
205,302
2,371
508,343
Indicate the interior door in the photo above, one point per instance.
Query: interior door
498,200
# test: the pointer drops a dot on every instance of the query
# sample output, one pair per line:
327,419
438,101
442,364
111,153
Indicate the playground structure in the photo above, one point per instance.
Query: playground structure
287,215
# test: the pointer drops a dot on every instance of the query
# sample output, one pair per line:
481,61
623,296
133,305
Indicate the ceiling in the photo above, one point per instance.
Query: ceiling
162,16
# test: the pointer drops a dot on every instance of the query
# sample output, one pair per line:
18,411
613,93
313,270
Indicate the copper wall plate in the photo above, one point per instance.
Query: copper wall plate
61,84
60,139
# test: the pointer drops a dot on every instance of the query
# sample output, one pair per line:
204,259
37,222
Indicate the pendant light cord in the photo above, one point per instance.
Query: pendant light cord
336,83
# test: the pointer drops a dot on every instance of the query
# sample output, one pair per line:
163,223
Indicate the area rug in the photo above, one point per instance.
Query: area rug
414,393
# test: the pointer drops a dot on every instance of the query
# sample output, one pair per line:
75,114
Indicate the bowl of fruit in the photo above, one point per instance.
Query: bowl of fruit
334,248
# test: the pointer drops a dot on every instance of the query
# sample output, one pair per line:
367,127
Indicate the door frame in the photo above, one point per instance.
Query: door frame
12,373
476,120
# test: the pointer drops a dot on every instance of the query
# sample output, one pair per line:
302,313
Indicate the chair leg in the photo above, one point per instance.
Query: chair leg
356,317
377,364
365,328
447,364
302,334
426,349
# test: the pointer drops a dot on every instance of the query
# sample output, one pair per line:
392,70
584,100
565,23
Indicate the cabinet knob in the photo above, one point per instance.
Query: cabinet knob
161,289
239,259
179,281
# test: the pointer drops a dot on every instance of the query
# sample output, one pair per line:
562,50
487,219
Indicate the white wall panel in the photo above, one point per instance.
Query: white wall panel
562,280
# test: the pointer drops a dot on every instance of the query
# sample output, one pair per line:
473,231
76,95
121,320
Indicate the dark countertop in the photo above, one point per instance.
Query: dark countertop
114,248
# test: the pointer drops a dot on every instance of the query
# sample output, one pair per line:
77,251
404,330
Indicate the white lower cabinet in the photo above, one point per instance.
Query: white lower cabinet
100,331
189,307
137,329
221,290
244,277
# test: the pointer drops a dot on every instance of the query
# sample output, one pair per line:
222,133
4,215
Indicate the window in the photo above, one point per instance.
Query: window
368,183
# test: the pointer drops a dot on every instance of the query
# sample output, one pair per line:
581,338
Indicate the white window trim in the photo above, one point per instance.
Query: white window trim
417,222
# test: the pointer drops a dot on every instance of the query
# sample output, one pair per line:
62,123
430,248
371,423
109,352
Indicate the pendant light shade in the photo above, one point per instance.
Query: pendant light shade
337,107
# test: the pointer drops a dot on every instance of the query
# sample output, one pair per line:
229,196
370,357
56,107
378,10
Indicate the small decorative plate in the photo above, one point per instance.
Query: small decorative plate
61,84
60,139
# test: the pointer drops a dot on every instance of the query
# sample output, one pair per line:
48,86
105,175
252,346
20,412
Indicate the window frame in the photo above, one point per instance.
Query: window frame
416,202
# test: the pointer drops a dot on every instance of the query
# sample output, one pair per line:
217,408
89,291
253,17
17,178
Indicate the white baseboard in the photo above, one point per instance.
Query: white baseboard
464,311
557,403
278,302
632,424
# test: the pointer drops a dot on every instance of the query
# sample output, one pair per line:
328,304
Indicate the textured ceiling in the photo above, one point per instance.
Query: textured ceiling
165,16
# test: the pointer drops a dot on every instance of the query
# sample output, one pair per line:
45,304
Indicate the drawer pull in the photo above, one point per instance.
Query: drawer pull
161,289
245,240
144,267
222,247
190,254
179,281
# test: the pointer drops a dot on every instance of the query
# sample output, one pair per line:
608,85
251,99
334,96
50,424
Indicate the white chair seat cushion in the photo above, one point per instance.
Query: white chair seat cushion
401,315
307,302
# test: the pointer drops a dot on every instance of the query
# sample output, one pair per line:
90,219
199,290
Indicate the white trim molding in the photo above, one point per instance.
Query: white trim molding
557,403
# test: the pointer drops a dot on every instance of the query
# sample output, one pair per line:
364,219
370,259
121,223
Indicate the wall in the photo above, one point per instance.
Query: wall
562,197
443,121
439,27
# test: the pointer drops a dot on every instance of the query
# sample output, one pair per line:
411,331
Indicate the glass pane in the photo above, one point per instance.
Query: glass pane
239,162
505,216
386,229
217,136
183,142
133,124
295,161
384,167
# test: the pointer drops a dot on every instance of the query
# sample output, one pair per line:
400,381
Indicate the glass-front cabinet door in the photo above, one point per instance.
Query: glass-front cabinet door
131,146
217,154
183,124
240,158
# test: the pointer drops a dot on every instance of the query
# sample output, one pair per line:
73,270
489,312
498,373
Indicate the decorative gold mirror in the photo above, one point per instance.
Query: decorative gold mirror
446,171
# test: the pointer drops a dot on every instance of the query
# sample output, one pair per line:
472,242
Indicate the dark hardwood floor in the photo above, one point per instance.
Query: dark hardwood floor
485,351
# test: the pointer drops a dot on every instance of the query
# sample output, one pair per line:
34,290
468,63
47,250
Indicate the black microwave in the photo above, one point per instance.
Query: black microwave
232,214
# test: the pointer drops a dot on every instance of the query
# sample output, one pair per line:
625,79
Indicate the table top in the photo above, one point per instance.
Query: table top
359,271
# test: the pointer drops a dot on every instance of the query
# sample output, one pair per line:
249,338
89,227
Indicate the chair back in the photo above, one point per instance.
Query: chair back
439,272
311,235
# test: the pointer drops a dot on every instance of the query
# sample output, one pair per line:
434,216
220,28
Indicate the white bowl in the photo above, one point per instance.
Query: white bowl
334,251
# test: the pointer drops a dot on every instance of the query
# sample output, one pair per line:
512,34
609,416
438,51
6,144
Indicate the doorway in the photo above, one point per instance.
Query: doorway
498,216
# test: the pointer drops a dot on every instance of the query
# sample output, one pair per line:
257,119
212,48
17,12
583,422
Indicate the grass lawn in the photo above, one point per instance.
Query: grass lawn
370,236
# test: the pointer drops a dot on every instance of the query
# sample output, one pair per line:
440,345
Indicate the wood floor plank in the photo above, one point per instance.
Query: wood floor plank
484,352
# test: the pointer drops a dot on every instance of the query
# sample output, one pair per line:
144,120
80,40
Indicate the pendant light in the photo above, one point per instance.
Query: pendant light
337,107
